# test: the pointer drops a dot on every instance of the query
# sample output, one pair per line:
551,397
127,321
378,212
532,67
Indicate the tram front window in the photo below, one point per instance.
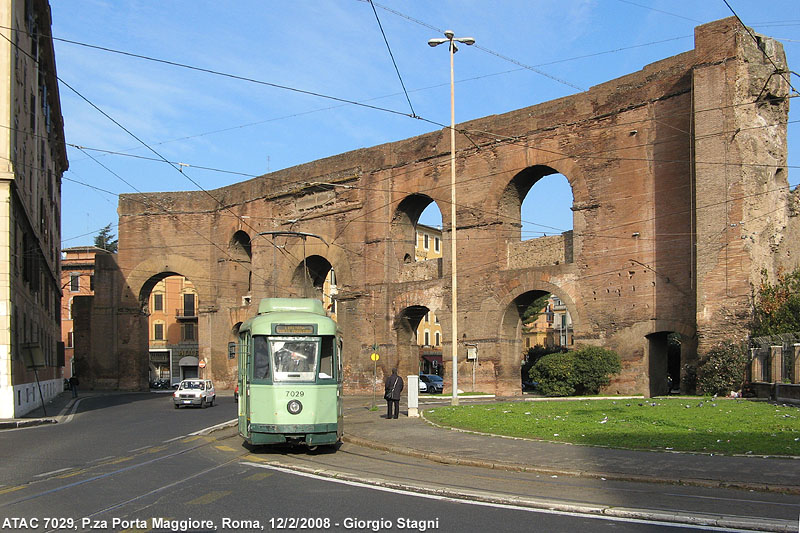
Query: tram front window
260,357
294,359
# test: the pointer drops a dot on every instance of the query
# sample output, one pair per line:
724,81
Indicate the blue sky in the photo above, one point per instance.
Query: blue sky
531,51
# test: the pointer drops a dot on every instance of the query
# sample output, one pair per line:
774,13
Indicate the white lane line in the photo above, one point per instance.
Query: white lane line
53,472
396,490
218,426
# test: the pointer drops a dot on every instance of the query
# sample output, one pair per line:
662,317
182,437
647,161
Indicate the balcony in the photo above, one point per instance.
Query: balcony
186,314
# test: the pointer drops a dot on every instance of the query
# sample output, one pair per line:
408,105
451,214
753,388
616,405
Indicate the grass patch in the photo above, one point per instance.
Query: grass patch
721,426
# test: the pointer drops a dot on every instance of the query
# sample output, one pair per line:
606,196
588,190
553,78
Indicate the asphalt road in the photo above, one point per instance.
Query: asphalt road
132,463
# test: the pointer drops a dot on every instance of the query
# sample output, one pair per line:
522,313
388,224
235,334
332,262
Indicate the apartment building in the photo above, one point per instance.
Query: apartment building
77,279
32,160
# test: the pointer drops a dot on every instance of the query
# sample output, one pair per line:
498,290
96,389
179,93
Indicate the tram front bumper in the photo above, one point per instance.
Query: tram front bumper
310,434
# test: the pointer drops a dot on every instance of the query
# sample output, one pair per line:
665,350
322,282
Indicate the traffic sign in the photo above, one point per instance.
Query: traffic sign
202,364
375,356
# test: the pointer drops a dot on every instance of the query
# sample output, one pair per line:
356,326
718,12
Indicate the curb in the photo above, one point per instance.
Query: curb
26,422
515,467
695,519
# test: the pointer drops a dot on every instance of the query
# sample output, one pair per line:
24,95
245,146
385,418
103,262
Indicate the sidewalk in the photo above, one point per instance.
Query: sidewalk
56,409
418,438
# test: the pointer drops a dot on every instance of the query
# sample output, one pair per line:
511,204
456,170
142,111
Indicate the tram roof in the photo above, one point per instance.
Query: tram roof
291,311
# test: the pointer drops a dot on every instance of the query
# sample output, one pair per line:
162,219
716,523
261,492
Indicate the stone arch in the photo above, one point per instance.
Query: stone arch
161,267
240,247
515,192
289,264
405,326
310,274
510,311
404,223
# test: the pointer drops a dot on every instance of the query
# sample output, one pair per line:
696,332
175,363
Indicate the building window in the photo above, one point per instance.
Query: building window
436,243
158,331
91,282
425,243
74,282
69,340
188,304
435,319
188,332
158,302
438,337
427,338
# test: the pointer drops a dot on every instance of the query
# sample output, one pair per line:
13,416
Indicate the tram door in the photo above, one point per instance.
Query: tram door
245,373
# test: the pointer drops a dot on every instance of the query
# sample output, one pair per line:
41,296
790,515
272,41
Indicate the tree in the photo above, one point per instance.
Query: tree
104,240
777,306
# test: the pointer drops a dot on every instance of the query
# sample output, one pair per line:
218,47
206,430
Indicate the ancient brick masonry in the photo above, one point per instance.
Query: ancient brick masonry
681,198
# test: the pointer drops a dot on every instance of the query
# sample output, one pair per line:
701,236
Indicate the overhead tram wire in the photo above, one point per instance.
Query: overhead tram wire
778,70
482,48
389,48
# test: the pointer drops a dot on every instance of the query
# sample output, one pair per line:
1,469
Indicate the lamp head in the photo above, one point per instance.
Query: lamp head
467,40
436,42
449,34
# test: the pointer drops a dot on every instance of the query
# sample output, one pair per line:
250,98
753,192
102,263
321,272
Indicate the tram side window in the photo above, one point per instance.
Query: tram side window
260,357
326,358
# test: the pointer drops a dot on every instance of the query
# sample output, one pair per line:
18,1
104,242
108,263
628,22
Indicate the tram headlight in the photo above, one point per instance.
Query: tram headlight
294,407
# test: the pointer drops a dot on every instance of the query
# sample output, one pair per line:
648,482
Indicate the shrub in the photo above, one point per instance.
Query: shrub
555,374
722,369
594,367
583,371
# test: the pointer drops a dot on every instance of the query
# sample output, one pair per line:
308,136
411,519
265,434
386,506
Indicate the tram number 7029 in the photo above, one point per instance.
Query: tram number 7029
294,394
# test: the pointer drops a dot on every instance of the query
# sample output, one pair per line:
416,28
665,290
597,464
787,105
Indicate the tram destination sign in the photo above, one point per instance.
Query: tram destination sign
294,329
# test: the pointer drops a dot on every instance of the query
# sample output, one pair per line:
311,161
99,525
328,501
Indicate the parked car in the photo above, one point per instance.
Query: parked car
434,383
194,392
423,387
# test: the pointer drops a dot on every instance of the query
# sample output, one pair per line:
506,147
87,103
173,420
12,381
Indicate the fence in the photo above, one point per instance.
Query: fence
774,370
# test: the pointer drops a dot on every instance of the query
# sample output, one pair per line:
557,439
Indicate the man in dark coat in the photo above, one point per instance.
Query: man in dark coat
394,388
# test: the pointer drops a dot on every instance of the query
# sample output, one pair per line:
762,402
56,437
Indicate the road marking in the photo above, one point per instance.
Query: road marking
225,448
11,489
693,523
138,449
209,498
259,476
218,426
53,472
156,449
174,439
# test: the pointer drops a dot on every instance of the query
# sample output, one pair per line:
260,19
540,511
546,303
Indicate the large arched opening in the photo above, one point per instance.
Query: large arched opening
171,303
410,234
536,208
535,322
316,278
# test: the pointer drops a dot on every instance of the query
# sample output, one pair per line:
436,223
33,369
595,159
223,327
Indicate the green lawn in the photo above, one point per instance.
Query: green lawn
722,426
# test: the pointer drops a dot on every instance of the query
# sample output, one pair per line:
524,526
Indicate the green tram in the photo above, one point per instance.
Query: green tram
290,374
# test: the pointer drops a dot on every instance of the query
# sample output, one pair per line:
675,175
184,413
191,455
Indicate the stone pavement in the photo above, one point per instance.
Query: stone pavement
418,438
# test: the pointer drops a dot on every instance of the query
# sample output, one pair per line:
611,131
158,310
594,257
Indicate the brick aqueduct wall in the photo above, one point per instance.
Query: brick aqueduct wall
681,199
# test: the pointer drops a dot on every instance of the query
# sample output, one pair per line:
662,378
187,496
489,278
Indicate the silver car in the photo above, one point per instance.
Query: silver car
199,392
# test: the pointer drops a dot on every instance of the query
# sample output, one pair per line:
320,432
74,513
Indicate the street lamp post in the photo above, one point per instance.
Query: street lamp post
451,40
